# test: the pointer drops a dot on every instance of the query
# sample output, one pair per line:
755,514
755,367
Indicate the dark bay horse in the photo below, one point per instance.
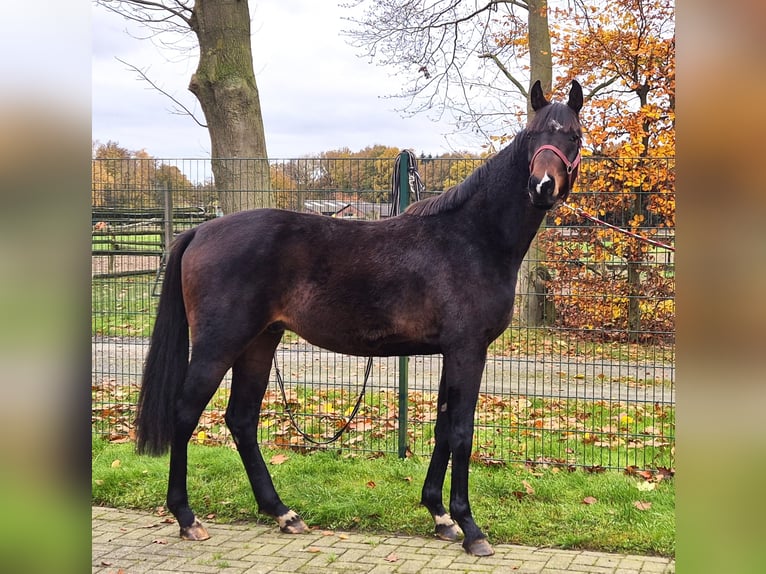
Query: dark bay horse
439,278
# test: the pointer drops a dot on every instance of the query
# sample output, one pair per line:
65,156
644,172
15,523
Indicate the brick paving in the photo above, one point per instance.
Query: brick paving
131,542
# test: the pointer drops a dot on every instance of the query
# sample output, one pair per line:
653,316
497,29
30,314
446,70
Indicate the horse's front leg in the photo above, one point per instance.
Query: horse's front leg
462,372
250,377
431,497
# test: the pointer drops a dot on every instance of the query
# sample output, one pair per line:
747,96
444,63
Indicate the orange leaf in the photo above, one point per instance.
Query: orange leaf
529,488
278,459
313,549
392,557
589,500
371,484
642,505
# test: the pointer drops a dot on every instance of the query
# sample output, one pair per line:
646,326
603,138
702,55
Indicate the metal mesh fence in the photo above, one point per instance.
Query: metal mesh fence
590,384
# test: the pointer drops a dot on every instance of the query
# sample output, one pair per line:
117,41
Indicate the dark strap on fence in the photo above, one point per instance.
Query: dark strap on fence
416,184
345,426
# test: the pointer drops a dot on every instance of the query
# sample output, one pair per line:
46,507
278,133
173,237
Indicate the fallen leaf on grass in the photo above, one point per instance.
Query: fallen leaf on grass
666,472
528,487
528,491
589,500
371,484
116,463
646,486
392,557
642,505
278,459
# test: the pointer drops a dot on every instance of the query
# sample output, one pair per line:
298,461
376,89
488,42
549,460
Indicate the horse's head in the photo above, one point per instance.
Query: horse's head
554,138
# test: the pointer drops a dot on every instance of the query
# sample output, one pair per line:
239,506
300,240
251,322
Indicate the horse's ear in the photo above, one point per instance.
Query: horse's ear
536,96
575,97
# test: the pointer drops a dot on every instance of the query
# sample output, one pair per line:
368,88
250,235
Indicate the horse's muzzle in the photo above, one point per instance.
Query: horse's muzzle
542,193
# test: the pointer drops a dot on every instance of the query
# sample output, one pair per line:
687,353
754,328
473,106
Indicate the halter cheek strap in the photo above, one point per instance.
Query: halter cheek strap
570,165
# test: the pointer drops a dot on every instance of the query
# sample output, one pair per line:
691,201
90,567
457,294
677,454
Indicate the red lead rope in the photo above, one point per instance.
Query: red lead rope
587,215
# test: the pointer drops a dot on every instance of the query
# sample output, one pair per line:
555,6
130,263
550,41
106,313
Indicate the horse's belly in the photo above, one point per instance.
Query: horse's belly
366,343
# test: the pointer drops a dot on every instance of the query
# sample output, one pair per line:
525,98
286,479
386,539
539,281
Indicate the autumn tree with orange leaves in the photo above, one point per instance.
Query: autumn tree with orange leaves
125,179
624,51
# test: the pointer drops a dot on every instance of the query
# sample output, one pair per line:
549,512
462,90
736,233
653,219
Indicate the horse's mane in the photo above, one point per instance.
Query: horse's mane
458,194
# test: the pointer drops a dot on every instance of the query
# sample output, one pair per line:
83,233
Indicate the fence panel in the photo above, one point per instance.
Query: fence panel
592,386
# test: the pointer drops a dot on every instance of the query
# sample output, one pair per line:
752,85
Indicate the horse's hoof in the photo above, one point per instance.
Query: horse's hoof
291,523
194,532
449,532
479,547
298,527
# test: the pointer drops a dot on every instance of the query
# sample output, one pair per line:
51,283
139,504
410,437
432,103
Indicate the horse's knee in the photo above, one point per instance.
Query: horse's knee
461,441
240,426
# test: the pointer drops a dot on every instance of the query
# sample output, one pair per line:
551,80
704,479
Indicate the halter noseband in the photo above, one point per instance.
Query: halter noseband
569,165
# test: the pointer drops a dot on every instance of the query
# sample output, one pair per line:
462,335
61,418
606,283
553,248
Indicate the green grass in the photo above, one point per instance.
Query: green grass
381,494
123,307
548,432
118,242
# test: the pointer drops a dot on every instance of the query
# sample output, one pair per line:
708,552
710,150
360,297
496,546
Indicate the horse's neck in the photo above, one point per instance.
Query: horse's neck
509,216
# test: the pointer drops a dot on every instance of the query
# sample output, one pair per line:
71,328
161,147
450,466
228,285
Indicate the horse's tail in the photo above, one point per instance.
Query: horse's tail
166,361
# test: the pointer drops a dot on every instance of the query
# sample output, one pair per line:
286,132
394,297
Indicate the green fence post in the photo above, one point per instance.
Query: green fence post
168,223
404,201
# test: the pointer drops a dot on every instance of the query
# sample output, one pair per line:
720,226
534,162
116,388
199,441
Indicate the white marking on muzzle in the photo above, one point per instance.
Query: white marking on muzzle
542,181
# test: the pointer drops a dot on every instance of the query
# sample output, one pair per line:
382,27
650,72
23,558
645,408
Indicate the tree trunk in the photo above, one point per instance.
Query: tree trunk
224,84
636,257
536,309
540,59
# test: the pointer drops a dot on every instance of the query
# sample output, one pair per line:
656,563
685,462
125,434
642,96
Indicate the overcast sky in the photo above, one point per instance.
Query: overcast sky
316,93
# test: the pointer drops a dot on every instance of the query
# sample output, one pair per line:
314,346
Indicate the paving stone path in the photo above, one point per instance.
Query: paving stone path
132,542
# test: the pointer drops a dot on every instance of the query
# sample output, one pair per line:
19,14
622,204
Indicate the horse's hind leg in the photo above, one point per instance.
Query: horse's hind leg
203,377
250,377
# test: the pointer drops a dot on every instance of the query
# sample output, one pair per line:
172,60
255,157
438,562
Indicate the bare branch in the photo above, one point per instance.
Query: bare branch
506,73
601,86
185,110
435,43
141,10
175,16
